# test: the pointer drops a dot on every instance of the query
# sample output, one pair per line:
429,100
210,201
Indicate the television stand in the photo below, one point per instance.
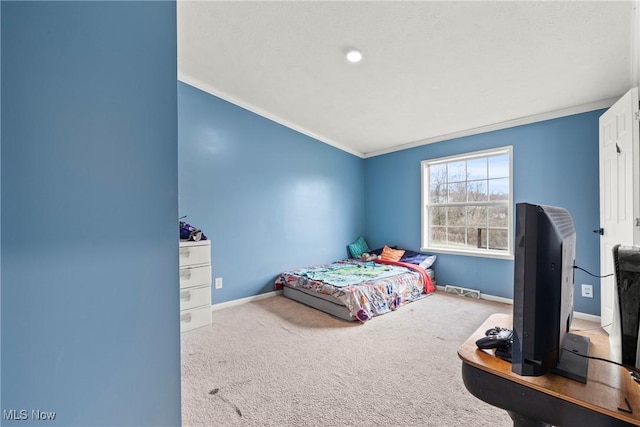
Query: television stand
610,397
573,363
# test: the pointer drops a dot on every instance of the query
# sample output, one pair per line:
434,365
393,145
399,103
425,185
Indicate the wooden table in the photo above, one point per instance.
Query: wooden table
609,398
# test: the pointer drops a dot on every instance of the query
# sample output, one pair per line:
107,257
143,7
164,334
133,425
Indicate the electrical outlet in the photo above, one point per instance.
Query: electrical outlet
587,291
218,282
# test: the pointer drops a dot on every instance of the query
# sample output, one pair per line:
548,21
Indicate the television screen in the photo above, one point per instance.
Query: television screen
626,324
545,248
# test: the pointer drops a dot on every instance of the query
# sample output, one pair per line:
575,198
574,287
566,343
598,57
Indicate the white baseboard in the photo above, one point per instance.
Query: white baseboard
576,314
219,306
227,304
586,316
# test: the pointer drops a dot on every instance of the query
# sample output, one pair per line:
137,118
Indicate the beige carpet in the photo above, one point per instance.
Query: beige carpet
276,362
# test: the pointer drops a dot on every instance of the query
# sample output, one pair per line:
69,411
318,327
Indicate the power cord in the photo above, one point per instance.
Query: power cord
591,274
635,373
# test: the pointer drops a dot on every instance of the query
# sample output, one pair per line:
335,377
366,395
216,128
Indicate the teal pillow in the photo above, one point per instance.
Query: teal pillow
358,247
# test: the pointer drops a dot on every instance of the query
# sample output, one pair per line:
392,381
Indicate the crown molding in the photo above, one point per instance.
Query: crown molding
198,84
606,103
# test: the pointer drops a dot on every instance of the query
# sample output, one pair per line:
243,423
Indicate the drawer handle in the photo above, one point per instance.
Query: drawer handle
185,252
185,295
185,274
185,318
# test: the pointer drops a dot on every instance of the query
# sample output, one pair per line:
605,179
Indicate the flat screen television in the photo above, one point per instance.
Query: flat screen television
545,252
625,328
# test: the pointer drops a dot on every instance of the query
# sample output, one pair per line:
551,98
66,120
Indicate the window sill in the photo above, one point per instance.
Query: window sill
481,254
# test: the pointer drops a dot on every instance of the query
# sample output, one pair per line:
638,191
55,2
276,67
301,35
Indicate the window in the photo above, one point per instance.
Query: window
467,204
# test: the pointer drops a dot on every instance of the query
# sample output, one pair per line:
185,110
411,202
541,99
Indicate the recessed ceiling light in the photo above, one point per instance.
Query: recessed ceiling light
354,55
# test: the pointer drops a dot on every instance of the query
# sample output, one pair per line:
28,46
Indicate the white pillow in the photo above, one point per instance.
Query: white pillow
428,261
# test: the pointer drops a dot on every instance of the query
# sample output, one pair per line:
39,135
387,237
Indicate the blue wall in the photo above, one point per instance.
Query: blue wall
272,199
269,198
90,309
555,162
0,202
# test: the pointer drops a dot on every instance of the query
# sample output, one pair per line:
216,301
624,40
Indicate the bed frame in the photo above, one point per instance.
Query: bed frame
318,301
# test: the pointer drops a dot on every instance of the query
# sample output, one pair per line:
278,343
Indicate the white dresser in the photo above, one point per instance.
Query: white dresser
195,284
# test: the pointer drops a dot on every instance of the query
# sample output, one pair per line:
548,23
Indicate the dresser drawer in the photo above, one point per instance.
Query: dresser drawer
194,297
195,276
191,254
195,318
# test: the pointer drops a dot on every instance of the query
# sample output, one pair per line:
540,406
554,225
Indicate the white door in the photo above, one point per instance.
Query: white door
619,164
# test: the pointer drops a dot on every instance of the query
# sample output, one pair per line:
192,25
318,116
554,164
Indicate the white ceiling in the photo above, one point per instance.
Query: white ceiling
431,70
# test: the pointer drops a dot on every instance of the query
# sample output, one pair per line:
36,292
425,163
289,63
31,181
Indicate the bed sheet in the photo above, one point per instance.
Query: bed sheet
367,289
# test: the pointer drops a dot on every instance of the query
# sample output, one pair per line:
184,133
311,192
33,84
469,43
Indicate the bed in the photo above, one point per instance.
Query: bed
357,290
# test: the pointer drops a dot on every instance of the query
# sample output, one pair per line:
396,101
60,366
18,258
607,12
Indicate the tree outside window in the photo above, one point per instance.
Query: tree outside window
467,203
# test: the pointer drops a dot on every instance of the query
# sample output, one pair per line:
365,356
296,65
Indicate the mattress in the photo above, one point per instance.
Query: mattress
357,290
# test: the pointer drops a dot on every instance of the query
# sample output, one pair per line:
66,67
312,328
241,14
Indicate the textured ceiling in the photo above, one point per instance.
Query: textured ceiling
430,69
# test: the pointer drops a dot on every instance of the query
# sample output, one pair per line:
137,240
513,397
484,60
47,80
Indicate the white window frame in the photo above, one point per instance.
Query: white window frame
426,245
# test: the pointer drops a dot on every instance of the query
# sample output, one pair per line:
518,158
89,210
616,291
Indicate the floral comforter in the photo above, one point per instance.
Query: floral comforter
367,289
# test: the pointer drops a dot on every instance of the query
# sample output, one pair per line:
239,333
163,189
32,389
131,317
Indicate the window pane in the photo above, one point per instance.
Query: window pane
457,171
468,201
477,215
438,236
438,172
498,216
438,192
498,239
458,192
481,234
499,189
438,176
477,169
455,236
499,166
438,216
456,217
477,191
472,237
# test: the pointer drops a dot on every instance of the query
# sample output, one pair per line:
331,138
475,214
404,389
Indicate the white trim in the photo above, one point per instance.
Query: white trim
578,109
507,149
576,314
495,298
584,108
198,84
586,316
635,44
485,296
425,228
485,254
424,181
221,305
